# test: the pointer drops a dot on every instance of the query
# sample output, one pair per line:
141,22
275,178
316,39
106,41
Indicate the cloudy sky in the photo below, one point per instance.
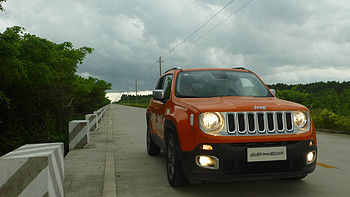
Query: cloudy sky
290,41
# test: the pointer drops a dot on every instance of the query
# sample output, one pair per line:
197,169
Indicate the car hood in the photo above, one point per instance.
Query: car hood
228,104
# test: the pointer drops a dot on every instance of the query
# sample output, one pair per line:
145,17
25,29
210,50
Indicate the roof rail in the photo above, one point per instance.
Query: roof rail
178,68
240,68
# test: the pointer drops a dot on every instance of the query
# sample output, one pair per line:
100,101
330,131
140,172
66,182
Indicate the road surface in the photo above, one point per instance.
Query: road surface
138,174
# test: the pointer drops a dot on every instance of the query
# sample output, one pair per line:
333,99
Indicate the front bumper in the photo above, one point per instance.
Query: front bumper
233,163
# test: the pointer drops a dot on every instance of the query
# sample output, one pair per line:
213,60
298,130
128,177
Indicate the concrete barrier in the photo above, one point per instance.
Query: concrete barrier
79,130
33,170
93,123
103,109
79,134
99,115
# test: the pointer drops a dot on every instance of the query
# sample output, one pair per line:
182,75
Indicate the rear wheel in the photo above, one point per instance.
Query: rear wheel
152,148
176,176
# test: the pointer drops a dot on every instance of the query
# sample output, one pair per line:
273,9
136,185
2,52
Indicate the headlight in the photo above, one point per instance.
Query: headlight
300,119
212,122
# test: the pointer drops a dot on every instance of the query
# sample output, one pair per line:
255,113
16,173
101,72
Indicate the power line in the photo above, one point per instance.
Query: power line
197,30
173,49
147,71
223,21
211,29
149,68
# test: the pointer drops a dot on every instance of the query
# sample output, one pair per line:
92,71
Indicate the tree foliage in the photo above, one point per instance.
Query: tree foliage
327,101
1,7
39,90
86,94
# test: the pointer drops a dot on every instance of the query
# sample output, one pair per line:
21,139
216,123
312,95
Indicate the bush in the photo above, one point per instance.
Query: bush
328,102
329,120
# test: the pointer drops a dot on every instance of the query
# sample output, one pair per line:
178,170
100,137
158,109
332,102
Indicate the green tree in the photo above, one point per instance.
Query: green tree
39,93
294,95
90,94
1,7
328,102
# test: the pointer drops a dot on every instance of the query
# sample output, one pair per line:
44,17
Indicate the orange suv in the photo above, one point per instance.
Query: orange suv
225,124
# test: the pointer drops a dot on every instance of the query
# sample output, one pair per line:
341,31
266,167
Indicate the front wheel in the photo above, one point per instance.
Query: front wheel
176,176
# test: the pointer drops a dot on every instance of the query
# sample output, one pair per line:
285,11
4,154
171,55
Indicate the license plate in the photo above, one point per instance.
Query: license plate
267,154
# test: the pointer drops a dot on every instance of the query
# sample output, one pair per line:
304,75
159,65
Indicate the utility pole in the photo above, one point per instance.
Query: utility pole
128,94
160,65
136,88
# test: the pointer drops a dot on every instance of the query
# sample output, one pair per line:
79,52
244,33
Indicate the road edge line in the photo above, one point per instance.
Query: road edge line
109,183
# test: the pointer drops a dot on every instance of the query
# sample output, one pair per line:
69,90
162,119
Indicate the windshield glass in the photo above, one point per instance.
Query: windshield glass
219,83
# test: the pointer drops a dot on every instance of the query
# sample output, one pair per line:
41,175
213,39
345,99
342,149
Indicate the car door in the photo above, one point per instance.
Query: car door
159,106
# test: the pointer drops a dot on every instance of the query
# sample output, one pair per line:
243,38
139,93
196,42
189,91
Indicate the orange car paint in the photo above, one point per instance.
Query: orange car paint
179,110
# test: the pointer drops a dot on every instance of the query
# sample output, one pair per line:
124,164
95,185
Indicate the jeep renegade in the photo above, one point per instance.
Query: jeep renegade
225,124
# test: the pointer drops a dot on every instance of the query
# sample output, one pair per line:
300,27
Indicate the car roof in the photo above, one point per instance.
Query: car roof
173,70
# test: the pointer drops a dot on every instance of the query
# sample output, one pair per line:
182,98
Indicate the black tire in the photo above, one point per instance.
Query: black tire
176,176
152,148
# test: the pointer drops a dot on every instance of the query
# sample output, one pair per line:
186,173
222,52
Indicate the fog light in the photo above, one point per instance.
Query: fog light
311,143
210,162
310,157
206,147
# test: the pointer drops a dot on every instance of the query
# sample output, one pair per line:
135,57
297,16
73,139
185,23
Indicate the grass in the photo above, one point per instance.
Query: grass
141,105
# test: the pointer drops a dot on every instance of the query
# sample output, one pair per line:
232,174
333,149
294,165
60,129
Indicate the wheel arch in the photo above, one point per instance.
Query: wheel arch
170,126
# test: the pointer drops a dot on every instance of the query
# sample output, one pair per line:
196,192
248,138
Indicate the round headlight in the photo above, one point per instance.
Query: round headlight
212,122
300,119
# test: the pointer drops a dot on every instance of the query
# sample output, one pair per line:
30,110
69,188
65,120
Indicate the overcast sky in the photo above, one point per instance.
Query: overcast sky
290,41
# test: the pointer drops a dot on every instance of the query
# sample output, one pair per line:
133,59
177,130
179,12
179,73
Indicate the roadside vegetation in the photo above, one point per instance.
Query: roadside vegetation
135,101
40,91
328,102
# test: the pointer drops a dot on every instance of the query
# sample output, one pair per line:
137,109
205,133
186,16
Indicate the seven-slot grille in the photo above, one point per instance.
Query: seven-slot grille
250,123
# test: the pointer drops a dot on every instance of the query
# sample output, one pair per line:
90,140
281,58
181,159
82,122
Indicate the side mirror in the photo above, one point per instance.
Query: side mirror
273,91
158,94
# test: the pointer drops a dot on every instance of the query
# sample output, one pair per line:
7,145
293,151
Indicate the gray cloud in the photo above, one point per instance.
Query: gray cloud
290,41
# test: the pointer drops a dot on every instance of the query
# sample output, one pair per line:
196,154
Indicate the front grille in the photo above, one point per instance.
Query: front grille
250,123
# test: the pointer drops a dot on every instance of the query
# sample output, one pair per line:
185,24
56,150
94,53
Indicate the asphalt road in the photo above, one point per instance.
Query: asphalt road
138,174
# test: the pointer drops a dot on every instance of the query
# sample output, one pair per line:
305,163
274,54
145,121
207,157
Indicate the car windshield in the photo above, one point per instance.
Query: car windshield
219,83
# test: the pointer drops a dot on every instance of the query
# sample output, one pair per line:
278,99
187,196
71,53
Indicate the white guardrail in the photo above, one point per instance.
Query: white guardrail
33,170
79,130
38,169
79,134
93,123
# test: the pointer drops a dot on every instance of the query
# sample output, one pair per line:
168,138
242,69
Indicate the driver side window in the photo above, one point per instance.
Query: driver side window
167,86
164,84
